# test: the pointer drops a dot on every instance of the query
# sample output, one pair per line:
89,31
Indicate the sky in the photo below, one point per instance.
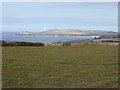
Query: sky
59,0
41,16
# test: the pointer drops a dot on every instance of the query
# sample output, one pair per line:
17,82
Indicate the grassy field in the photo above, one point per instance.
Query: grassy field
60,67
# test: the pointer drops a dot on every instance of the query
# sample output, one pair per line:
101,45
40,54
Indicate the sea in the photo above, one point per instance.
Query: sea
11,36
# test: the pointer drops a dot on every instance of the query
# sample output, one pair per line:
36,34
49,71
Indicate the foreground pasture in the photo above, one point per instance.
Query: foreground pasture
86,66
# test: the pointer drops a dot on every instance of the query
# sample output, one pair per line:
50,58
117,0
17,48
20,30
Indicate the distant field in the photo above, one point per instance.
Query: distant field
60,67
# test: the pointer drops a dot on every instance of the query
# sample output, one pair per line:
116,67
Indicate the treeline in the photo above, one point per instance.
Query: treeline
5,43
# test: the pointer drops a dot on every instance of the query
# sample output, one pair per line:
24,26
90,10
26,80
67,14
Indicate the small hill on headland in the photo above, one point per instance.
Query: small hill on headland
73,32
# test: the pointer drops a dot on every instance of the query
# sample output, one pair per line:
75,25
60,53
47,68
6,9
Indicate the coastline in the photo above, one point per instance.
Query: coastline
95,41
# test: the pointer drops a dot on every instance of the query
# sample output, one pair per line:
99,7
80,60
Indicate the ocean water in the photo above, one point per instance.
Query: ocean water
11,36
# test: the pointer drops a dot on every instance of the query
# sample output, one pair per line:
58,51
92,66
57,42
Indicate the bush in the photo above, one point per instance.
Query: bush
66,44
109,41
39,44
4,43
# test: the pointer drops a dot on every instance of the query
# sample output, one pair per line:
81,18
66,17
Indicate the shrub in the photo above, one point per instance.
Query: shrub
23,43
4,43
66,44
39,44
109,41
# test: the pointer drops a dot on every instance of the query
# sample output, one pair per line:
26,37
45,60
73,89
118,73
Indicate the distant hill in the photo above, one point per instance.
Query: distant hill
73,32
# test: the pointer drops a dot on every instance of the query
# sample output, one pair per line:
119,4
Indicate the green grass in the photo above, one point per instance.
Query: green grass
60,67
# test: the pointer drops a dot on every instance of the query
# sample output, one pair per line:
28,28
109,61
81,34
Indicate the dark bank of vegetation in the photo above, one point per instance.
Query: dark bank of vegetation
15,43
6,43
110,41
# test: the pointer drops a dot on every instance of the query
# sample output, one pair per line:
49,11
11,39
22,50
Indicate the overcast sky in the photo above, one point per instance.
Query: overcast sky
39,16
